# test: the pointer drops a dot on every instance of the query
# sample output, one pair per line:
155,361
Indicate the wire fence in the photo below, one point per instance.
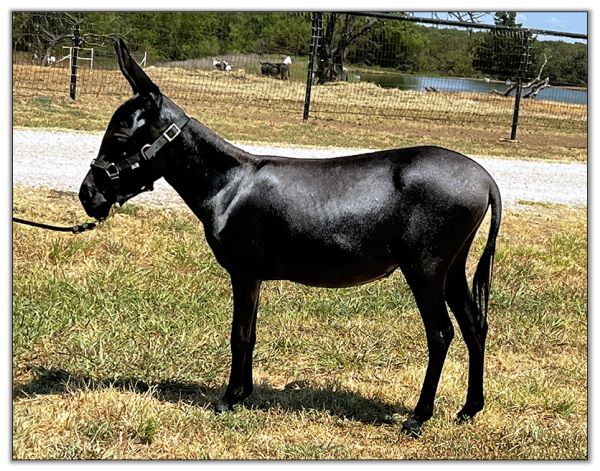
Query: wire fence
356,67
460,75
274,79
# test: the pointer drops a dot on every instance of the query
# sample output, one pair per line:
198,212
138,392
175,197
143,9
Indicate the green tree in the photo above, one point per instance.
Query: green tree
262,33
449,52
394,44
500,53
42,33
507,18
340,32
567,62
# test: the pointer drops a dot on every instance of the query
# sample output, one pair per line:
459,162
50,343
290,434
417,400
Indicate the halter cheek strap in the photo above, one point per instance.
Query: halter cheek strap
148,151
146,154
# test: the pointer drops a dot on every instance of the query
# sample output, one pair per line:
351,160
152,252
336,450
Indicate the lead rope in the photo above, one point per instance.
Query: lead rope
78,229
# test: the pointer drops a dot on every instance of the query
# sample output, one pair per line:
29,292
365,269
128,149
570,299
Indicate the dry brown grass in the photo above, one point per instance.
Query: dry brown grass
245,107
120,343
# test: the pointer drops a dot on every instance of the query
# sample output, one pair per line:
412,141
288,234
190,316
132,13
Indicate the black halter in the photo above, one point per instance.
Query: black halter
112,173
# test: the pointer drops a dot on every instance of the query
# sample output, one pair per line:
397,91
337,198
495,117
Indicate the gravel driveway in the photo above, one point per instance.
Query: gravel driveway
60,160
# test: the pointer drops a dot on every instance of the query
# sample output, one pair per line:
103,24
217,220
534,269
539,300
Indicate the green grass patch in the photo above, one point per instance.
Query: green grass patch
120,345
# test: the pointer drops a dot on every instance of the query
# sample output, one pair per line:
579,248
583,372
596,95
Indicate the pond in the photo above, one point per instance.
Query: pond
420,82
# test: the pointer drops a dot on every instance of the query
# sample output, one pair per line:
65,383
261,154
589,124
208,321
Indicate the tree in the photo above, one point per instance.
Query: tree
336,41
507,18
41,32
531,88
468,16
402,46
449,52
500,54
283,33
569,62
464,16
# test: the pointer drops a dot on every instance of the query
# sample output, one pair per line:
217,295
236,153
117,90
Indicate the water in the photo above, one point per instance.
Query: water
419,82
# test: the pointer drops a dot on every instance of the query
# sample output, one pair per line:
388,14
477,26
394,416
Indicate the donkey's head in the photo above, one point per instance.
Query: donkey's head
131,155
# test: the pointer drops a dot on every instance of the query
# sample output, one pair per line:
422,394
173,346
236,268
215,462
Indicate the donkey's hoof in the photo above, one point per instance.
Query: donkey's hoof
221,406
463,418
412,428
466,414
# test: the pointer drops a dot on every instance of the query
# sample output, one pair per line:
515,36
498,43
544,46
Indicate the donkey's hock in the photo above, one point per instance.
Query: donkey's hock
321,222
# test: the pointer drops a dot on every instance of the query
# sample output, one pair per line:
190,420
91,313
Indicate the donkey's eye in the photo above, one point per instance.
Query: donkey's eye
120,137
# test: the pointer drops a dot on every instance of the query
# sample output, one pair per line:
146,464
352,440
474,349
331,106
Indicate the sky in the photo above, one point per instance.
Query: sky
573,22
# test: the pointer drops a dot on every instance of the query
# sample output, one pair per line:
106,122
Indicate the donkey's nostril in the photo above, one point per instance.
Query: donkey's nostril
90,196
93,201
85,194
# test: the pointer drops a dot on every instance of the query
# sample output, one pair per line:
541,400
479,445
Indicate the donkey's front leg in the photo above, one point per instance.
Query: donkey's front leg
243,337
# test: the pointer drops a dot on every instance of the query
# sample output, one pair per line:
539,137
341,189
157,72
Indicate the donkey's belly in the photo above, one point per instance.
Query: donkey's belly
339,278
337,257
333,270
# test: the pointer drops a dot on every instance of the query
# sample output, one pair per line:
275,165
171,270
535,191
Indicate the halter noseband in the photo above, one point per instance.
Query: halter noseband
112,170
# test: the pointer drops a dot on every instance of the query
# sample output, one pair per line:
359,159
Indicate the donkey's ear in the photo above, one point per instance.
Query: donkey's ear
137,78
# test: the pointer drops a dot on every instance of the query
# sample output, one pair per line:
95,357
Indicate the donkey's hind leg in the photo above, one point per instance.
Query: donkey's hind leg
473,327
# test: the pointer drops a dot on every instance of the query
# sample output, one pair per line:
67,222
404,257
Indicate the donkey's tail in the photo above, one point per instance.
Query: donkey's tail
482,280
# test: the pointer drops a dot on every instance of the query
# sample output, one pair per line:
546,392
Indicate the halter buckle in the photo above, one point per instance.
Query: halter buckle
112,171
176,131
143,152
109,168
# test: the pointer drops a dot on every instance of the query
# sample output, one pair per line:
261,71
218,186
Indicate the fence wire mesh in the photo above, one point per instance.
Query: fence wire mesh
364,68
454,74
229,79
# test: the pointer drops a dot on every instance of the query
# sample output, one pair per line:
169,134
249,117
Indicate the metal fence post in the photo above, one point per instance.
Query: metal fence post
317,27
77,41
522,71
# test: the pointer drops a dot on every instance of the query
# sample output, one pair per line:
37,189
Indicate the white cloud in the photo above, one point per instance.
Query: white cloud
521,18
555,21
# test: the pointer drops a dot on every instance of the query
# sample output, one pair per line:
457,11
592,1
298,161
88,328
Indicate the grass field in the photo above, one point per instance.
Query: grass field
120,343
244,107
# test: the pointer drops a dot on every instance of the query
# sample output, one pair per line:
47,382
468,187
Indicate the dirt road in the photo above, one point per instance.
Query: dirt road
60,160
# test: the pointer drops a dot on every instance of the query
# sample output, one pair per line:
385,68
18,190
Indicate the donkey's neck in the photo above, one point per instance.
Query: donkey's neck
205,167
207,144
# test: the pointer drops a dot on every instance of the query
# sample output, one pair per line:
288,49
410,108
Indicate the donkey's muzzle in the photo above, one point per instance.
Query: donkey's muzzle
94,202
